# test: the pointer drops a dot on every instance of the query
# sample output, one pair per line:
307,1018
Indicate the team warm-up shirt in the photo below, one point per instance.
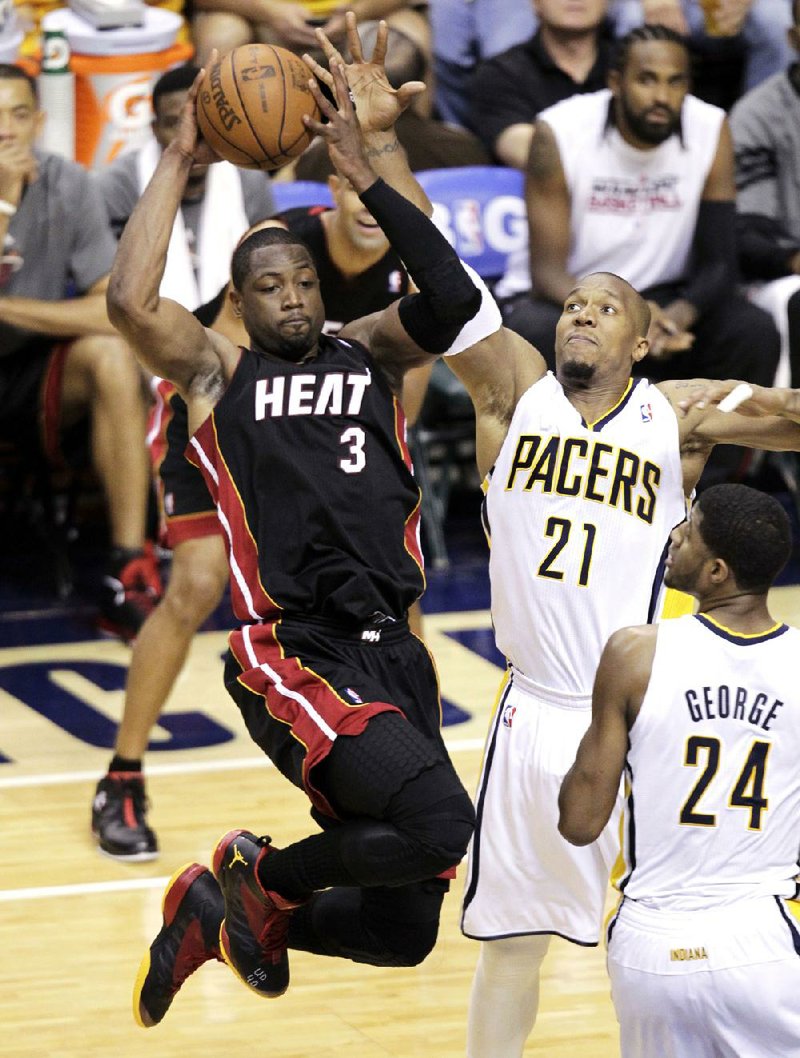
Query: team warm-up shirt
312,478
578,516
713,809
632,212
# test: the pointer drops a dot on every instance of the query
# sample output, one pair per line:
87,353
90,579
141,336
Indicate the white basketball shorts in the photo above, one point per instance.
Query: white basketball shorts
522,876
721,983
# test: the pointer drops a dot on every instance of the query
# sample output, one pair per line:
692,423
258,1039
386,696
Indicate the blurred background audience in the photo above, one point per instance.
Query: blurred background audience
535,88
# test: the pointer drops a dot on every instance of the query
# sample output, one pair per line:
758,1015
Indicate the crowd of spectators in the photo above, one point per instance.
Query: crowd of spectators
500,75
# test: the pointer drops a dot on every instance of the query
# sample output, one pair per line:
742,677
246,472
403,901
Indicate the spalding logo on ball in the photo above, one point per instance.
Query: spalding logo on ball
251,104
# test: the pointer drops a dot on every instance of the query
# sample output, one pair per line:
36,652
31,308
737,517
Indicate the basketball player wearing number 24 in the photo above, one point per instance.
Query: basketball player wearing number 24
300,439
703,716
588,471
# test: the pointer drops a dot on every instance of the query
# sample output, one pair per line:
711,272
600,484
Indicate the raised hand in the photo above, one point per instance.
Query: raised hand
377,103
187,137
341,130
763,400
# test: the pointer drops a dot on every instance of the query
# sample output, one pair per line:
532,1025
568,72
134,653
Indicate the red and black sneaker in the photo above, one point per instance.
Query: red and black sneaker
119,818
192,911
130,591
253,935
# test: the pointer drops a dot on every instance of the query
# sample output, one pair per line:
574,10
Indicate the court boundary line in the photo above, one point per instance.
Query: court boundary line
51,892
198,767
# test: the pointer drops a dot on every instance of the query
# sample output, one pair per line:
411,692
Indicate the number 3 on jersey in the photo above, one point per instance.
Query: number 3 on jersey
353,439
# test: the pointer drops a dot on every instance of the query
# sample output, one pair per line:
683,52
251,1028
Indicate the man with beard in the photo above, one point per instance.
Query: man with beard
638,179
587,472
703,716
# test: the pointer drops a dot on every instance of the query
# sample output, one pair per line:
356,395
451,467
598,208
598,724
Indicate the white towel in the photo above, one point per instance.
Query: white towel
223,221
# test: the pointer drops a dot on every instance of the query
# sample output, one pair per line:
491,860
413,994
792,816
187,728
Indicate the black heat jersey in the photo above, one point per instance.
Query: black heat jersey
309,467
347,298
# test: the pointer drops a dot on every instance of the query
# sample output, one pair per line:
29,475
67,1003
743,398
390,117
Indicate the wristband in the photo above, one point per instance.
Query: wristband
7,207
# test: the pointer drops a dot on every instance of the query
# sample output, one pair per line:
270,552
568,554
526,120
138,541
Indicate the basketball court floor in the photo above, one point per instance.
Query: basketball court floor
73,924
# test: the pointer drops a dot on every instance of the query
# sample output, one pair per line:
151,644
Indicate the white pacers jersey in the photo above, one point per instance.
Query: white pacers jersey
579,517
632,212
713,814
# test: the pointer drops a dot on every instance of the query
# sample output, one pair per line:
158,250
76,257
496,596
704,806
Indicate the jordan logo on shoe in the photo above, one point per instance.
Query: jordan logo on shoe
237,857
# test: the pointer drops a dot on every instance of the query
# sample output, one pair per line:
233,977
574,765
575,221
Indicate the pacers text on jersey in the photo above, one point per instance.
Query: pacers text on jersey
595,470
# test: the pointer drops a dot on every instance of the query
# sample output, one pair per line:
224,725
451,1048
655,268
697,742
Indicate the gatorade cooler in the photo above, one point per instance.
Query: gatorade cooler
10,33
115,71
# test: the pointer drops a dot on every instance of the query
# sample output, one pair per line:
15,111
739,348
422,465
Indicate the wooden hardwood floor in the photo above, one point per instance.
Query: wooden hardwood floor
73,925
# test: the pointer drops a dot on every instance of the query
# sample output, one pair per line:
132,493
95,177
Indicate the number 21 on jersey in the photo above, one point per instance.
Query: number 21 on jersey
565,534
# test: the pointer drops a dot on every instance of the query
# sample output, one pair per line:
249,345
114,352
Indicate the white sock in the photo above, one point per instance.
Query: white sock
505,996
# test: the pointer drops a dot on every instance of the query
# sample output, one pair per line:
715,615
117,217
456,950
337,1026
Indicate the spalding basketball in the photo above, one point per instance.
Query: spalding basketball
251,103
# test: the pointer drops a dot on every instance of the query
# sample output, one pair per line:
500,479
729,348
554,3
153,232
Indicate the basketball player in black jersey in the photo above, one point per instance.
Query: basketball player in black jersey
359,273
300,440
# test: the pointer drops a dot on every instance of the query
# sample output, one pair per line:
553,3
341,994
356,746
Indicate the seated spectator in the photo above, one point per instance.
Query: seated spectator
566,55
638,180
765,125
220,203
60,358
761,25
428,143
466,32
226,24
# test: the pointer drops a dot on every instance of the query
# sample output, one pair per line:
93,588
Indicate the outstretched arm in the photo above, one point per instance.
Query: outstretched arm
590,787
768,418
377,105
167,338
408,332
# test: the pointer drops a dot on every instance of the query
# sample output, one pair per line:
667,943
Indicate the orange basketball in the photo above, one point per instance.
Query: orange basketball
251,104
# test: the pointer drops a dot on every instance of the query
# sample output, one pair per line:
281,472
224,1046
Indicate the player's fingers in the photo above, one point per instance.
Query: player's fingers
381,40
319,71
706,396
331,54
409,91
341,90
325,106
353,39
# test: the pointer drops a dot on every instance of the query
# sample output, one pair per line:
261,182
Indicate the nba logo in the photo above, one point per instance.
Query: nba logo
647,412
508,715
467,223
354,696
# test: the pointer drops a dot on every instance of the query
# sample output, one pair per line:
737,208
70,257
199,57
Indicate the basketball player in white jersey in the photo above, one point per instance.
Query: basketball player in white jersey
587,473
702,714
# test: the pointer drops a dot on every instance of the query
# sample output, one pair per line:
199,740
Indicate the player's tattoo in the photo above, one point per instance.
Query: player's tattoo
387,148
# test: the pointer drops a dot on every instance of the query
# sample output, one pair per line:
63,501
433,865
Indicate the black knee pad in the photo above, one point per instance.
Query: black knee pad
435,810
379,926
405,919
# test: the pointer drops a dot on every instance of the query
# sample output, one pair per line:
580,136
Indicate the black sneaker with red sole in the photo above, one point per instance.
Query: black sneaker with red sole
192,911
254,933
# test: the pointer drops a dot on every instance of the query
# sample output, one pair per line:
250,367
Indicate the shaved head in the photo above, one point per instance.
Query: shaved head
632,299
